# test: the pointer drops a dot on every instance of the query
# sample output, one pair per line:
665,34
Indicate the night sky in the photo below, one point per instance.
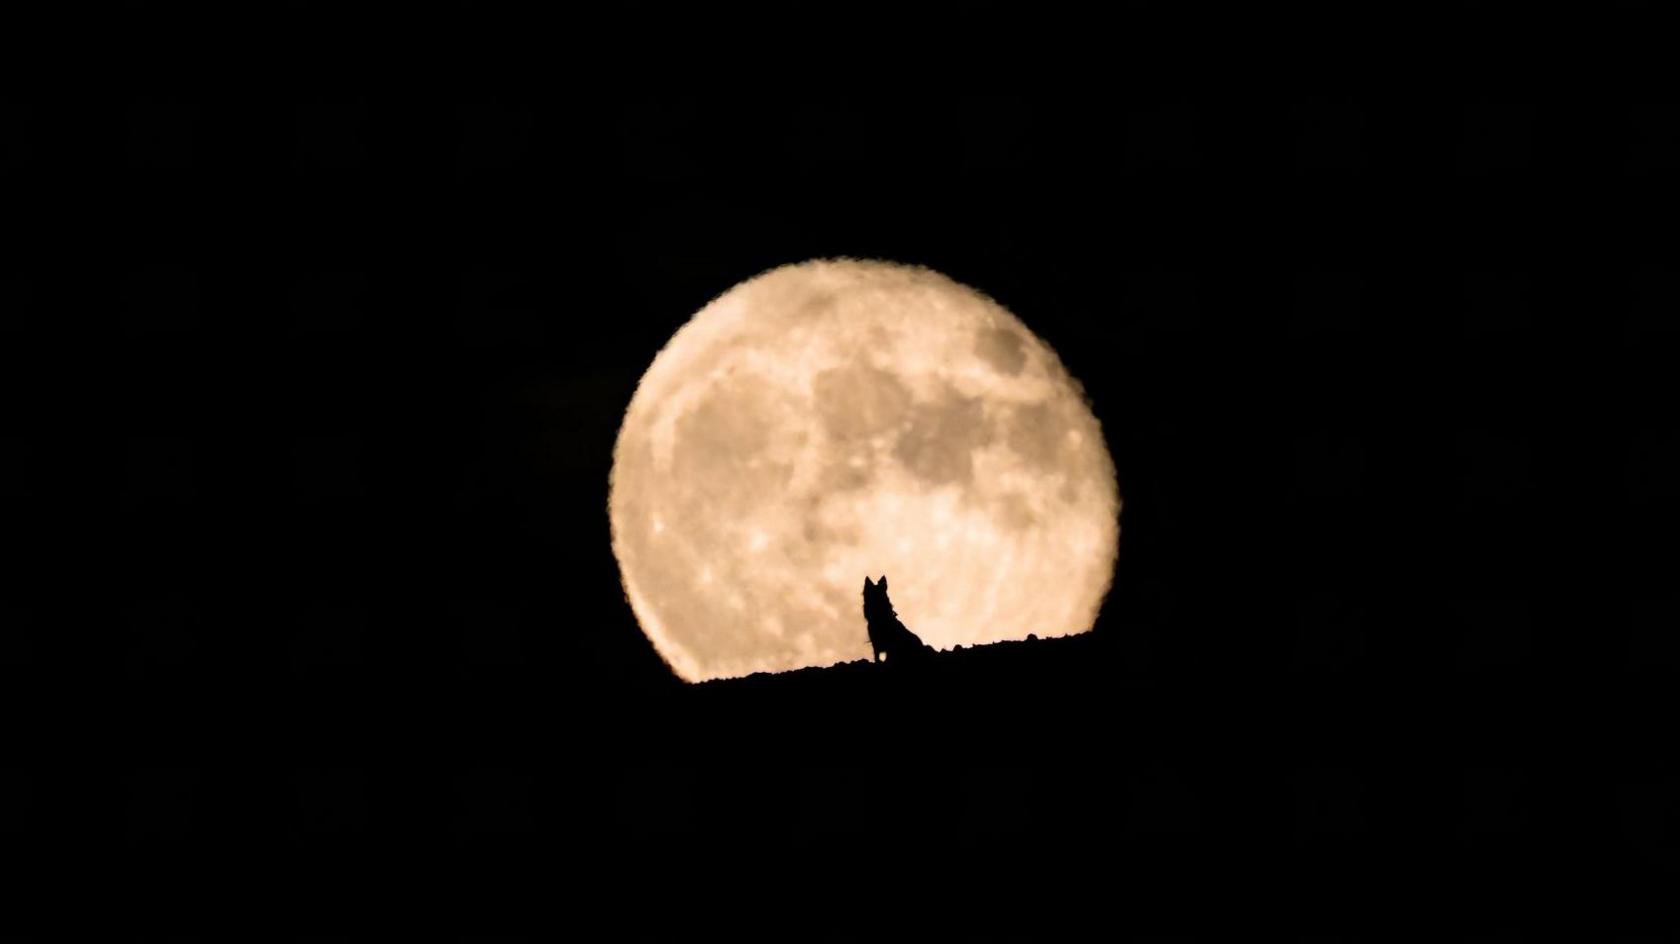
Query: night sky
1392,620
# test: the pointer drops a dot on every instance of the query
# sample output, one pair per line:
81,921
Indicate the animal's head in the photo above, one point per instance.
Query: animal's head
875,596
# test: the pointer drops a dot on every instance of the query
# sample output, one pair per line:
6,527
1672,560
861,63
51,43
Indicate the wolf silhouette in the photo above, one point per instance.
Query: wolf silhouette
890,639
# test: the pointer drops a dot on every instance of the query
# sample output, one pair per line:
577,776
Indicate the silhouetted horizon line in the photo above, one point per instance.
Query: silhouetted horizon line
940,659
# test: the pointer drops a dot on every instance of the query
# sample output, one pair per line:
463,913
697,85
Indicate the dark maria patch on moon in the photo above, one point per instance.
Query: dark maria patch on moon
1037,433
1002,349
859,401
939,444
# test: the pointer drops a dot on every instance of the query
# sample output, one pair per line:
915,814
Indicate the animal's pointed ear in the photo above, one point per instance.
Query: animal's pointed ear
883,583
867,583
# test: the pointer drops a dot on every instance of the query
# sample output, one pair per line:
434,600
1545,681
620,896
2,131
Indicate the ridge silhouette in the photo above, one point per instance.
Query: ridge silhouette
890,639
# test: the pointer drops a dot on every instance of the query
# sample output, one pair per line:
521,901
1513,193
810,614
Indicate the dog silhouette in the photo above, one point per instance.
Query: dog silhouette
890,639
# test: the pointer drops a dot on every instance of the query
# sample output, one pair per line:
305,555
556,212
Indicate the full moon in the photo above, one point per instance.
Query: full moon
840,418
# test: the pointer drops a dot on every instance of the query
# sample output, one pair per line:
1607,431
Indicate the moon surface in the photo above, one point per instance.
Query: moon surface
841,418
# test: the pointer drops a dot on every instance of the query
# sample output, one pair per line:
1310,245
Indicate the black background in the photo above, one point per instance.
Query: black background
1385,382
